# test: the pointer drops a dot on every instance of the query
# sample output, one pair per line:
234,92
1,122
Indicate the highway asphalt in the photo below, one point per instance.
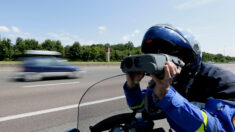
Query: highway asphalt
51,105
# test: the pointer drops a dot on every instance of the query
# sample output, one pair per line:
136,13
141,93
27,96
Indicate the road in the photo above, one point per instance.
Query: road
51,105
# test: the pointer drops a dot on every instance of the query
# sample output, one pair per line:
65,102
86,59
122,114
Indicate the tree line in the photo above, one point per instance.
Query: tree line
78,52
74,52
216,58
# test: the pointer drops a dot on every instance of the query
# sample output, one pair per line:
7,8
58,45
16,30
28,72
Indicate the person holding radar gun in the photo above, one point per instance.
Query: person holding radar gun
191,94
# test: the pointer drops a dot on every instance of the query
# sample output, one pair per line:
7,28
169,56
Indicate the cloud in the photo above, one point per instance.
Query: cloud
137,31
25,35
15,29
90,42
65,38
22,35
69,39
4,29
193,3
129,36
102,28
14,32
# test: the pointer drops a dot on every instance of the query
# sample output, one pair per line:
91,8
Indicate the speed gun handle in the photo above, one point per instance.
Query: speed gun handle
178,62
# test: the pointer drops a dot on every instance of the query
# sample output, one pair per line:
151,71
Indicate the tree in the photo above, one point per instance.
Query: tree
31,44
58,47
136,51
95,52
48,45
66,51
129,45
19,47
107,45
120,47
6,49
86,53
75,51
19,40
219,58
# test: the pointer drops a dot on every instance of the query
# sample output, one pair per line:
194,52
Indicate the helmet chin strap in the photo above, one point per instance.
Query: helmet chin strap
184,81
190,69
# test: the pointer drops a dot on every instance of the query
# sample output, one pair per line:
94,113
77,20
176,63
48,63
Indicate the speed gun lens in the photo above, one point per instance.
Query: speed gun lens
128,63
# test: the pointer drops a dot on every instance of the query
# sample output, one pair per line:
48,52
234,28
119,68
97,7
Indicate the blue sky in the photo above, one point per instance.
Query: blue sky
119,21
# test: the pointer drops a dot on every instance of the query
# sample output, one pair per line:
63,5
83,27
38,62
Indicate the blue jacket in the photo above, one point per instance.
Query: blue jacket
182,115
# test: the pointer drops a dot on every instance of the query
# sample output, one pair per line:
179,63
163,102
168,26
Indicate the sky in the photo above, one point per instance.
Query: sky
212,22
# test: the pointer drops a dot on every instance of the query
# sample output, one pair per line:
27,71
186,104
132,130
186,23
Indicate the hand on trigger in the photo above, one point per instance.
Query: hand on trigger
162,86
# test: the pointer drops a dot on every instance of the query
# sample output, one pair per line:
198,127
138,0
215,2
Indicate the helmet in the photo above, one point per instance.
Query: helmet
169,40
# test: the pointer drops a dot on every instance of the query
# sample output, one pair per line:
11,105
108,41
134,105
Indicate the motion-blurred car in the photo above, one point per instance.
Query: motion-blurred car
39,67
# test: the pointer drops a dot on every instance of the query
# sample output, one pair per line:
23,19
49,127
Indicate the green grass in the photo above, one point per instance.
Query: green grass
11,62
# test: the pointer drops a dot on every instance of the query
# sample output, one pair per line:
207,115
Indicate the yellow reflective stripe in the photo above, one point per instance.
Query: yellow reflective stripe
138,106
202,127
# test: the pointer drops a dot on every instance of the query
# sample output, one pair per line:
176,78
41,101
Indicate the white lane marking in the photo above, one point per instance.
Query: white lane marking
102,101
12,117
41,85
15,77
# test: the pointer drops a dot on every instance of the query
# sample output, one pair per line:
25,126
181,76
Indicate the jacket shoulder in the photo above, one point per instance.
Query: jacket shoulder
221,82
216,72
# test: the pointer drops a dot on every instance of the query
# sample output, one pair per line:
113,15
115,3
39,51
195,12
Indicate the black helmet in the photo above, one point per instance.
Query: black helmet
169,40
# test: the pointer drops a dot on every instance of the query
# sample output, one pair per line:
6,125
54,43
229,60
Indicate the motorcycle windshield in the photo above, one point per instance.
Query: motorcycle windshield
103,100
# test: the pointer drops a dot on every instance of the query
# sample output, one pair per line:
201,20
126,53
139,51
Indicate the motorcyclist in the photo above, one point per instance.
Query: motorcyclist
199,98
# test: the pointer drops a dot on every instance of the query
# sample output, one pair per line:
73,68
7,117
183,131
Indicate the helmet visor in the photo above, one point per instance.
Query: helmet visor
162,46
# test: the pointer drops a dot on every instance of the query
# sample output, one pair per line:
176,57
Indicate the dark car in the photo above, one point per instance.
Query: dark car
36,68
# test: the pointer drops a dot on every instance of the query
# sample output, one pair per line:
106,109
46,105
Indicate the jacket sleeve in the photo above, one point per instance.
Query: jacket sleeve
134,97
185,115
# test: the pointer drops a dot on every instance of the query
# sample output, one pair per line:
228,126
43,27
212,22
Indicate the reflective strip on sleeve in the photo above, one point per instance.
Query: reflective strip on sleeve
138,106
202,127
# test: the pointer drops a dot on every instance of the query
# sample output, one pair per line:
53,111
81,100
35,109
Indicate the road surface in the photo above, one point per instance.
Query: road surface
51,105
